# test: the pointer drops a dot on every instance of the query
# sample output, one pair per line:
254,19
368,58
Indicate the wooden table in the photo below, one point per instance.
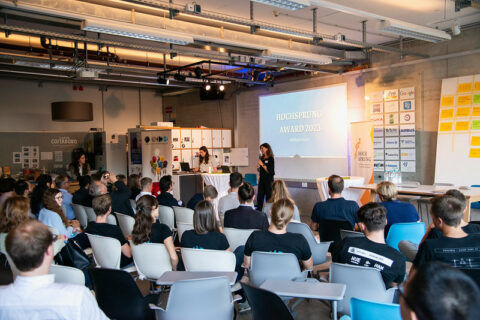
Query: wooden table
320,290
472,195
170,277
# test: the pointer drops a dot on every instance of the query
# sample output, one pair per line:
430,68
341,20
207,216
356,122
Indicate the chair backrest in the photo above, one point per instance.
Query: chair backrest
411,231
319,250
106,251
350,234
200,299
13,268
251,178
133,203
166,216
126,223
91,216
268,265
329,230
118,295
362,282
151,260
111,219
208,260
80,214
237,237
64,274
365,310
183,215
182,227
266,304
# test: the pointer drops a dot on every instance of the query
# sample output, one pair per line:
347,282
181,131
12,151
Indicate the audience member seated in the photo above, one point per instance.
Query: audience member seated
133,183
230,201
371,250
148,229
206,233
22,188
336,207
280,191
120,196
209,193
7,189
122,178
62,183
43,182
147,184
34,294
79,166
245,216
81,196
102,205
440,292
456,247
165,198
397,211
13,213
409,249
277,239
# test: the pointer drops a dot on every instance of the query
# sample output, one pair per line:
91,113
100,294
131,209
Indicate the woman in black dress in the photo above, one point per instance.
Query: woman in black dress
266,168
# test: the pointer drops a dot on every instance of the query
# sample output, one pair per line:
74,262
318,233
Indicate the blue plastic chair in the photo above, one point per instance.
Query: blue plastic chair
476,205
411,231
251,178
367,310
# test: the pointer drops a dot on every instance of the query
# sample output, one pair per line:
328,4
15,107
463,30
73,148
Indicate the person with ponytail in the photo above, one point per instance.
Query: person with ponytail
148,230
277,239
43,182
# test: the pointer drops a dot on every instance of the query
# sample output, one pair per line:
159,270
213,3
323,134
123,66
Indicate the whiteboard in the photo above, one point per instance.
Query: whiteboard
239,157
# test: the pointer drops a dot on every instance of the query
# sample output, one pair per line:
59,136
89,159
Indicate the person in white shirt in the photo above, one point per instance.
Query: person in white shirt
34,294
146,184
230,201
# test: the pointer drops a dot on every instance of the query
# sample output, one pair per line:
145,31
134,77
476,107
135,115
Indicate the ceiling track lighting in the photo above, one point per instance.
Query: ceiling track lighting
286,4
412,31
296,56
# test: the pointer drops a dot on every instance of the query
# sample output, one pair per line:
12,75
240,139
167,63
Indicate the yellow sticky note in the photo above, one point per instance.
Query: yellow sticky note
476,112
464,100
446,114
461,125
475,153
477,86
447,101
446,126
475,141
463,112
464,87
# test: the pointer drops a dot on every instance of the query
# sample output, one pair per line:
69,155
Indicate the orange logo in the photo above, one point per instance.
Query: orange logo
357,146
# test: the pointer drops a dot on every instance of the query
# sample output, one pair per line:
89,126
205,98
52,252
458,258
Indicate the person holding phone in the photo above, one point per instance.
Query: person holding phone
266,168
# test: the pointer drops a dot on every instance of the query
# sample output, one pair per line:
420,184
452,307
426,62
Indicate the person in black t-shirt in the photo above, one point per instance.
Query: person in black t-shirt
371,250
102,205
81,196
165,198
266,168
148,229
277,239
455,247
206,233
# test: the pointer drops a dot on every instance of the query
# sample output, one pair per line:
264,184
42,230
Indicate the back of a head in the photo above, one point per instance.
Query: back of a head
210,192
387,190
27,244
60,180
282,212
122,178
236,179
101,204
13,212
97,188
440,292
373,215
133,181
204,219
143,219
165,183
7,185
43,181
279,191
20,187
84,181
246,192
459,196
448,208
146,183
335,184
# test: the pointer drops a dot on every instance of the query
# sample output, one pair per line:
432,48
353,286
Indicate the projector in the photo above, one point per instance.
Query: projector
87,74
193,7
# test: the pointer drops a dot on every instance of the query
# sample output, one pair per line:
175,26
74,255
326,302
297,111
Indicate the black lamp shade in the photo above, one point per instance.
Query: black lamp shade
72,111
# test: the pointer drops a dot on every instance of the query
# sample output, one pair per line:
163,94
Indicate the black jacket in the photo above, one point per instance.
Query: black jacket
245,217
121,199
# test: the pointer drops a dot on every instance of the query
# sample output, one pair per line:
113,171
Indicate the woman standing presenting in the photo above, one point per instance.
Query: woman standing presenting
266,167
206,163
79,166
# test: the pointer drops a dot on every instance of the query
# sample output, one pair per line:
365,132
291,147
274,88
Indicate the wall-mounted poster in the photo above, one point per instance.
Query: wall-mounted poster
407,154
407,142
392,154
407,166
391,118
378,132
407,93
377,119
391,143
378,166
376,96
376,107
391,106
390,95
407,130
407,117
392,166
407,105
391,131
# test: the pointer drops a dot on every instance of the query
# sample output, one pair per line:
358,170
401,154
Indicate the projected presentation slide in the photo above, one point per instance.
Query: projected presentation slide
311,123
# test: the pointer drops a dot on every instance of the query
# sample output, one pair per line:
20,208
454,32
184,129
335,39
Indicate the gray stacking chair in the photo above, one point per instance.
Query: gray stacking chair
200,299
151,260
351,234
126,223
319,250
208,260
182,227
166,216
91,216
237,237
107,252
64,274
183,215
80,214
362,282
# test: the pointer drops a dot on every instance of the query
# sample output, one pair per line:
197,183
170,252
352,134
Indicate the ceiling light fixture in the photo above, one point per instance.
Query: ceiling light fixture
136,31
296,56
412,31
221,87
208,87
286,4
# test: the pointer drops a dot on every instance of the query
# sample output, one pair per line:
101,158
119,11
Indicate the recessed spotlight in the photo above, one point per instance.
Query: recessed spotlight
208,87
221,87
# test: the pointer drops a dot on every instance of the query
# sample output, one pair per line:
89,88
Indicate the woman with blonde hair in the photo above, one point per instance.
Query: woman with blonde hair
13,213
280,191
277,239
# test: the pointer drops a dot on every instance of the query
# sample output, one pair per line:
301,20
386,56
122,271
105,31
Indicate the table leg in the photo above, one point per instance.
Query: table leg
373,196
334,310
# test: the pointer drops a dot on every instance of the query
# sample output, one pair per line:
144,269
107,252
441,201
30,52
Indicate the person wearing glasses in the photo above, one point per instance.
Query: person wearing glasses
439,292
34,294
